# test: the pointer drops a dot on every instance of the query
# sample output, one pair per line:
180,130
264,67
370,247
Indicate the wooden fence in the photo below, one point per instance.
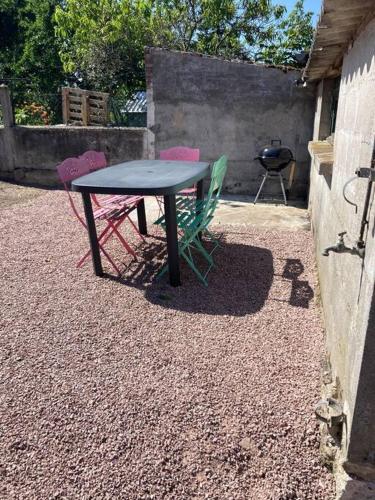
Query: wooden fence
84,107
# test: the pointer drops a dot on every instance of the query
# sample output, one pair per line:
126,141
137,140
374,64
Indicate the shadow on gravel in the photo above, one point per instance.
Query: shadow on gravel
301,292
239,285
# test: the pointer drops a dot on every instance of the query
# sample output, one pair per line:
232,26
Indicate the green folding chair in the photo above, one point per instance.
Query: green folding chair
193,219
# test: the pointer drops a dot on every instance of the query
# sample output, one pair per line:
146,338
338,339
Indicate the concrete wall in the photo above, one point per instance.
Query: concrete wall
347,282
231,108
322,121
30,154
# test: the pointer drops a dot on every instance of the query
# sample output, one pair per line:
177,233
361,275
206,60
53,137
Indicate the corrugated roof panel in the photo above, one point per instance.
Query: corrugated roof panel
138,104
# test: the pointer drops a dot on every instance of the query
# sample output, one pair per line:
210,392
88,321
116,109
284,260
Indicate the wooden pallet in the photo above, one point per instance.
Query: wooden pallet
84,107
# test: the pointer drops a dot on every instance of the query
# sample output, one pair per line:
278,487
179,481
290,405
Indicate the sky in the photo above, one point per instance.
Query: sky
313,5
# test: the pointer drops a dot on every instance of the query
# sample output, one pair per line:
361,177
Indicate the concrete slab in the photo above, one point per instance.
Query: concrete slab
13,194
232,209
240,209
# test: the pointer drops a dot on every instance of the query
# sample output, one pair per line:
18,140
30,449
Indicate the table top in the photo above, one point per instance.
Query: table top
143,177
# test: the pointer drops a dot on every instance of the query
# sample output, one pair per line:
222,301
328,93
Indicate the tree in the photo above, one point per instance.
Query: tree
103,41
40,61
11,38
29,57
293,35
100,43
228,28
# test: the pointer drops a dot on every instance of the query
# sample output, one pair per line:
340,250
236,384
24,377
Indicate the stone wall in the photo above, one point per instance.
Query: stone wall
30,154
228,107
347,281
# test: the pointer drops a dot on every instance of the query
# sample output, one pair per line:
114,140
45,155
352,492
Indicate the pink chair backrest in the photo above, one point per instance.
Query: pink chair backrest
180,153
95,159
71,169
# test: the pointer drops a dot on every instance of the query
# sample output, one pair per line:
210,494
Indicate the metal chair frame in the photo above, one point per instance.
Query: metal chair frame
71,169
193,219
97,160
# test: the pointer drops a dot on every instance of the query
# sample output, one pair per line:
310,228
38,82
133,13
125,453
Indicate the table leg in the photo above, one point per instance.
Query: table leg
93,237
141,213
200,194
172,240
200,197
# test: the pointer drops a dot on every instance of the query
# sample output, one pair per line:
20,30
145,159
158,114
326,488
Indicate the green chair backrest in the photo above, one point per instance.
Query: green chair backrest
217,177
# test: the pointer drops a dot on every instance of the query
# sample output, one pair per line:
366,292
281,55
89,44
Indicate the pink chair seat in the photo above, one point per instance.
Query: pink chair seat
188,192
120,200
96,160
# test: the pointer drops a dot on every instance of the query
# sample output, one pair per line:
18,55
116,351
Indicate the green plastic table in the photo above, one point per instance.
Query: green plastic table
144,178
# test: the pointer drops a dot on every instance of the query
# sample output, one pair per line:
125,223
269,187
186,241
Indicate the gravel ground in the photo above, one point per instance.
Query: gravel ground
134,390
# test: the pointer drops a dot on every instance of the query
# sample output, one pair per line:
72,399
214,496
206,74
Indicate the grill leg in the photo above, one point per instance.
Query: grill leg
261,187
282,188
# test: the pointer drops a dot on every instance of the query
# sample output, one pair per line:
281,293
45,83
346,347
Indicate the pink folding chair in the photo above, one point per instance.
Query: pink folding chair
179,153
71,169
96,160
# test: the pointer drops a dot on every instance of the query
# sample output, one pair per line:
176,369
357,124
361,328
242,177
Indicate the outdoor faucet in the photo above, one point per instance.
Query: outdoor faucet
340,247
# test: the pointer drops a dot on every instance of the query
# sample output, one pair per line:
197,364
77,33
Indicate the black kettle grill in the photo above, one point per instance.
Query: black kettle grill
274,159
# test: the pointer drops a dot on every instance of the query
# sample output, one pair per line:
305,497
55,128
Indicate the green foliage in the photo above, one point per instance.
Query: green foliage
11,38
99,44
40,60
29,58
32,114
293,35
227,28
103,41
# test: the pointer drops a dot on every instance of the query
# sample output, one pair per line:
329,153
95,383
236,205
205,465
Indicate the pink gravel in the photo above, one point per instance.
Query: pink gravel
132,389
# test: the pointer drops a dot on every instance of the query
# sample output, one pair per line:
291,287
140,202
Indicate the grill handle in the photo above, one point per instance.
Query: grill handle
276,140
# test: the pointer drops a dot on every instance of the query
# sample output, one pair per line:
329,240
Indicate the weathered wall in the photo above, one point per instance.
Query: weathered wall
231,108
30,154
322,119
347,282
